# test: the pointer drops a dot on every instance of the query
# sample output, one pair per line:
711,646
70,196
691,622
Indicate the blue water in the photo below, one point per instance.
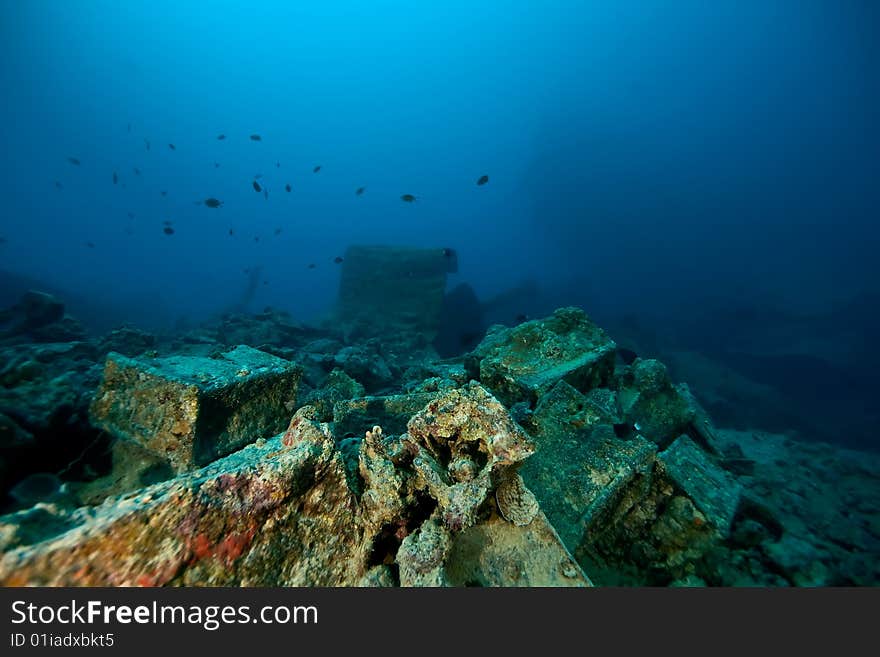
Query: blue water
704,168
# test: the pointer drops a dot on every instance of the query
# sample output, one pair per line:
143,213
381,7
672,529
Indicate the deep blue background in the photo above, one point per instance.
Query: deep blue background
648,158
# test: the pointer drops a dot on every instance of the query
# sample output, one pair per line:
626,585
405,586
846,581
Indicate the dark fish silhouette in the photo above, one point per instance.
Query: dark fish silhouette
211,202
147,143
256,238
257,187
37,487
278,165
287,187
483,180
522,317
359,191
312,265
91,245
168,230
221,137
277,231
115,178
316,169
131,215
447,252
266,193
231,232
338,260
137,171
256,138
74,161
58,185
627,355
172,147
407,198
216,165
164,193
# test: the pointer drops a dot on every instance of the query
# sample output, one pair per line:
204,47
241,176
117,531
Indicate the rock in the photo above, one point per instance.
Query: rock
524,362
264,516
338,386
799,560
392,413
271,327
66,329
702,430
463,443
461,325
12,435
495,552
648,399
365,363
714,491
192,410
392,292
127,341
33,311
516,503
280,512
581,477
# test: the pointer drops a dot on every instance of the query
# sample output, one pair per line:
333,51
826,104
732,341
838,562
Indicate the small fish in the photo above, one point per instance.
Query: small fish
74,161
257,187
312,265
131,215
277,231
256,238
522,317
172,147
2,240
256,138
58,185
164,193
278,165
266,193
231,232
216,165
316,169
287,187
338,260
212,202
265,282
115,178
483,180
91,245
137,171
168,230
359,191
221,137
447,252
147,143
407,198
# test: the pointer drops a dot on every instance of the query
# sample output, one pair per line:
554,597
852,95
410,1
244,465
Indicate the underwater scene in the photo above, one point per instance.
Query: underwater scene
560,293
